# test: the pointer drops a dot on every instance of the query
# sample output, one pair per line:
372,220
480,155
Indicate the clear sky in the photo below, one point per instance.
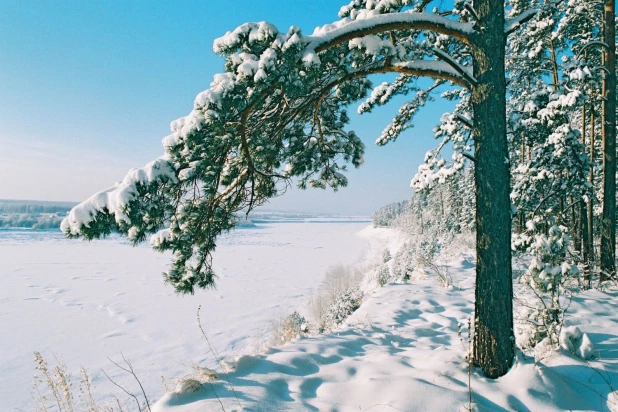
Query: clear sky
88,90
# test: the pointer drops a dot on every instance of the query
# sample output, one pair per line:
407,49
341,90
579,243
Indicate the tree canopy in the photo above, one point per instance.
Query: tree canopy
278,111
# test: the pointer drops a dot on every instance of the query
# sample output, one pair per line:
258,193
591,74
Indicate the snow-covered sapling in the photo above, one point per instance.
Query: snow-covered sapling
550,278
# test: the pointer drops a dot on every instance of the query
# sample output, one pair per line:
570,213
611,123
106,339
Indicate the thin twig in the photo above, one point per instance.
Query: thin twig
216,396
214,353
124,390
138,381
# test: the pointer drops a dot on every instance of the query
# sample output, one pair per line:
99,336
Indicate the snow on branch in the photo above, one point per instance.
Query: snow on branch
344,30
464,120
513,24
431,68
403,119
465,72
471,10
590,44
384,92
280,102
115,200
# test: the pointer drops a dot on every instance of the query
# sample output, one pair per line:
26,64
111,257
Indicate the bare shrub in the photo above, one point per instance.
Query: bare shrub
428,253
85,389
339,279
222,365
551,279
54,388
128,368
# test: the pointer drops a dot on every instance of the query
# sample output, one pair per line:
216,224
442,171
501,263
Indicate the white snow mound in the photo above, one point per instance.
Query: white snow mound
576,342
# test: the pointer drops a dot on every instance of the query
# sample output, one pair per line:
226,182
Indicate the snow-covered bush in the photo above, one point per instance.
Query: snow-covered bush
427,250
194,381
288,328
383,275
403,262
340,309
386,256
338,280
551,277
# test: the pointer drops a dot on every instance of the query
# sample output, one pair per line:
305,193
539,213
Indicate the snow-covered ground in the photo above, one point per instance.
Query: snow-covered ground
402,351
85,301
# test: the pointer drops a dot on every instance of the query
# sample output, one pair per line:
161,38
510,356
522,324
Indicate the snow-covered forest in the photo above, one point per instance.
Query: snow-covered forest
493,287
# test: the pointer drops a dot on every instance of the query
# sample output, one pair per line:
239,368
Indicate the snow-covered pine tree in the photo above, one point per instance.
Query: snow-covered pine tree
280,109
553,127
567,41
552,277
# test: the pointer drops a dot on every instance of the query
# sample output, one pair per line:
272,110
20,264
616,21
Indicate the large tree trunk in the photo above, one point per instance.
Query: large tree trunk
583,218
494,343
608,226
591,205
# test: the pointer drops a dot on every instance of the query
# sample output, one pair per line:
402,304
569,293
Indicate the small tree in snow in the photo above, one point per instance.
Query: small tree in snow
550,277
386,255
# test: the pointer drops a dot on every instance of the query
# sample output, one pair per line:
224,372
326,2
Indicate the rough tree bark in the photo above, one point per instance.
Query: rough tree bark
608,225
494,342
591,205
583,218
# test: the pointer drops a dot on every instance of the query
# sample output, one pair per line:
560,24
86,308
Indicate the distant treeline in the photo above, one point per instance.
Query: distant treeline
32,214
34,206
386,215
42,215
30,221
446,208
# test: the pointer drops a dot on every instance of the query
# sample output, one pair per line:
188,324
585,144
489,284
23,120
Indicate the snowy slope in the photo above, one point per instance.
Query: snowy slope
401,351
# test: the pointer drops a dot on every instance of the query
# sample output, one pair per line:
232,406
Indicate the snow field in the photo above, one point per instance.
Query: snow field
86,301
404,349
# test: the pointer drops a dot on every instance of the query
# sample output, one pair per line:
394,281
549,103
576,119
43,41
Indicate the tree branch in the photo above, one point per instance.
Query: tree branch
510,25
469,157
464,120
590,44
389,22
471,10
429,68
462,70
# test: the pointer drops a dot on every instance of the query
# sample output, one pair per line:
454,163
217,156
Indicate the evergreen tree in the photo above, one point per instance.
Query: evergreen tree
280,110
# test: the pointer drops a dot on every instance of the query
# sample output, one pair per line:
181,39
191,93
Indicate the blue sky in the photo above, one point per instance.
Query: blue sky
88,90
